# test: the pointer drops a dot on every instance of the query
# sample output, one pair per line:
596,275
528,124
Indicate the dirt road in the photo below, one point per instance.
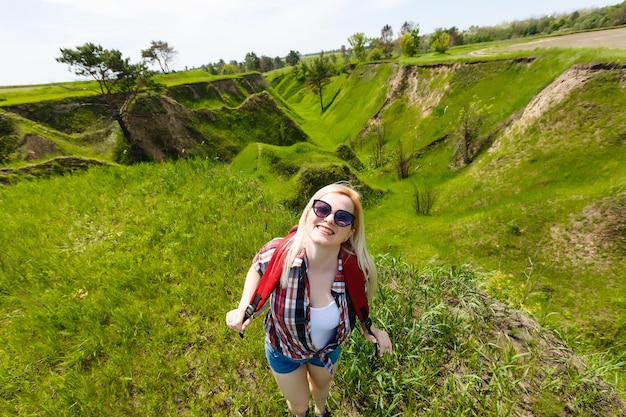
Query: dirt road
610,38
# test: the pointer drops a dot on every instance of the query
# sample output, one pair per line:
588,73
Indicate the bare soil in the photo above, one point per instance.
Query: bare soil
610,38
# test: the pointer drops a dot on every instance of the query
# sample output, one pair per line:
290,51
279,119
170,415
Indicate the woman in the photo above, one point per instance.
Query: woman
304,358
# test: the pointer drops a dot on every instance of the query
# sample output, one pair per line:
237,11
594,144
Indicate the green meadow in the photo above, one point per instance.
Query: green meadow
114,283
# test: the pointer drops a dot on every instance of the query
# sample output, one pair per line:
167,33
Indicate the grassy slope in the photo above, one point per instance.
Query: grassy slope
120,304
114,290
492,220
493,215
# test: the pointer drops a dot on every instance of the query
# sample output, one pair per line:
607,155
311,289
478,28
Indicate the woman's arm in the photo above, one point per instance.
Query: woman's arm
234,318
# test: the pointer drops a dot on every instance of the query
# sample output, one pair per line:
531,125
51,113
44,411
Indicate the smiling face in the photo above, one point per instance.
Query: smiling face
324,231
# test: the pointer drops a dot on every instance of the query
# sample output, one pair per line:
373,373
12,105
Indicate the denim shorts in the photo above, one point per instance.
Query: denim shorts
284,365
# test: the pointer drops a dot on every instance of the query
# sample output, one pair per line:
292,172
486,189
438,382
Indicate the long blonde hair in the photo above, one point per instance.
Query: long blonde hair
354,245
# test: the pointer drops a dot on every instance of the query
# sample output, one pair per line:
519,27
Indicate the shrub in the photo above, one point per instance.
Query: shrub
423,199
9,138
312,178
346,153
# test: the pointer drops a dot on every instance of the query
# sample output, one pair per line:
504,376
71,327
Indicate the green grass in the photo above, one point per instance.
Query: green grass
354,101
496,214
114,289
113,300
14,95
158,240
96,144
10,96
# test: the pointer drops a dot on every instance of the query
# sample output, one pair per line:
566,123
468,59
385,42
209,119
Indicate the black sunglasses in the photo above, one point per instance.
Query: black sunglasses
342,218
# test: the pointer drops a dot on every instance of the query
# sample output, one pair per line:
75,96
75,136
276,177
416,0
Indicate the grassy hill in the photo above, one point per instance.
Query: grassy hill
532,212
116,282
540,207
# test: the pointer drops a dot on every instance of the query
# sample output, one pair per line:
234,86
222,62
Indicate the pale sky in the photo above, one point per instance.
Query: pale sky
203,31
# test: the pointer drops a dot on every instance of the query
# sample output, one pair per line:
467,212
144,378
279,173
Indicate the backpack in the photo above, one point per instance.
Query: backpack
353,274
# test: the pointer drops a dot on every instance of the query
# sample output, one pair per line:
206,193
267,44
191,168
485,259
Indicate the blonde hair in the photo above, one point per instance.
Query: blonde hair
354,245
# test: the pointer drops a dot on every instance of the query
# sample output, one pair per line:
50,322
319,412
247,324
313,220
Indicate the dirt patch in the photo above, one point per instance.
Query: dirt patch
610,38
420,90
54,166
550,97
34,146
162,129
553,95
594,237
422,93
159,129
533,344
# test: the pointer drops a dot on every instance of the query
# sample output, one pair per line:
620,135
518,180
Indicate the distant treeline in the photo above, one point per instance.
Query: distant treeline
586,19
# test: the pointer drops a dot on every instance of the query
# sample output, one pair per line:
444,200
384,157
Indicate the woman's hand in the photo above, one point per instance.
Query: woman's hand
382,338
234,320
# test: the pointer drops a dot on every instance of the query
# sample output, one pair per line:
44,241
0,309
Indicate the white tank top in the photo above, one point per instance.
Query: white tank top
324,322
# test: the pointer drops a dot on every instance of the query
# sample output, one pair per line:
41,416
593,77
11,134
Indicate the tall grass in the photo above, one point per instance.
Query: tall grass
459,353
113,290
114,286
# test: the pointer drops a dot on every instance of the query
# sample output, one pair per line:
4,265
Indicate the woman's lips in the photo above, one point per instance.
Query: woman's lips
325,230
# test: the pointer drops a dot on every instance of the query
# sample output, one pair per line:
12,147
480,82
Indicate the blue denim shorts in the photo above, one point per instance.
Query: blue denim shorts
284,365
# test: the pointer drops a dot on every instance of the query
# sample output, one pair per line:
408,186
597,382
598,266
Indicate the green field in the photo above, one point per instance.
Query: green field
115,282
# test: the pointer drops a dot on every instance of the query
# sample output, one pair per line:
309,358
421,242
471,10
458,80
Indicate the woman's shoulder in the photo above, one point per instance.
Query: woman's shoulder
272,244
266,251
277,241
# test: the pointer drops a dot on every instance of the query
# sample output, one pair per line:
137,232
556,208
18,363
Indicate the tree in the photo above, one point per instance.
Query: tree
406,27
219,66
456,37
119,81
440,41
379,155
407,46
358,41
210,68
278,63
301,67
160,53
345,54
376,54
386,40
412,29
403,162
229,69
471,120
252,62
319,76
293,58
266,63
415,34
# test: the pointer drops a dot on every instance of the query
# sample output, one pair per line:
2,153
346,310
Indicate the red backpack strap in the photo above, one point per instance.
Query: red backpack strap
270,278
355,283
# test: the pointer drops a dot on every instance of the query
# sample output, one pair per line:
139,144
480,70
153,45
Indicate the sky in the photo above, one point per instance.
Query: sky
205,31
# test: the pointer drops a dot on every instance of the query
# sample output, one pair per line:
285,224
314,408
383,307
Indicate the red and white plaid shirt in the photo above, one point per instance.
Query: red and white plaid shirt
287,323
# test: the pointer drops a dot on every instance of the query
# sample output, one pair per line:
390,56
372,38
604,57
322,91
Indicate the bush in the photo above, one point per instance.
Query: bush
346,153
9,138
376,54
423,199
312,178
